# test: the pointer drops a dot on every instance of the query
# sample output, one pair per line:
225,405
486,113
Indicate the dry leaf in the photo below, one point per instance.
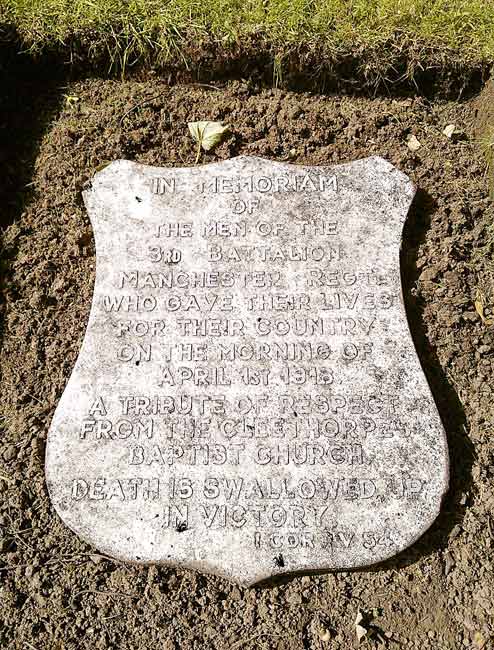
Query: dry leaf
325,635
360,630
449,130
479,640
480,309
449,563
70,100
413,143
207,134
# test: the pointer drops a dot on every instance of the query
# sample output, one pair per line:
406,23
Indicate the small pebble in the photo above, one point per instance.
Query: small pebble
9,453
455,532
449,563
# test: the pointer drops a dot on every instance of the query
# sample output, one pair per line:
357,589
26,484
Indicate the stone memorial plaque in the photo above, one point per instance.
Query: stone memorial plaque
248,400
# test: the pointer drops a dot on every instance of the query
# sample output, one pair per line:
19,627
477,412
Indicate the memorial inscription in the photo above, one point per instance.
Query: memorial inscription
247,389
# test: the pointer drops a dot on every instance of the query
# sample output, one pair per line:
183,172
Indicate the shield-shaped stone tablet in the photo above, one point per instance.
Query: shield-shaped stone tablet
248,400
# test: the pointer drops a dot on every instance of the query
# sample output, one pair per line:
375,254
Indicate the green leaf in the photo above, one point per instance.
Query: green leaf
207,134
71,100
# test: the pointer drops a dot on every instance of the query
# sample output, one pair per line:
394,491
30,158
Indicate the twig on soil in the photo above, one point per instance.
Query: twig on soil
65,559
102,593
107,618
102,556
15,535
205,86
99,593
81,556
29,645
34,397
138,105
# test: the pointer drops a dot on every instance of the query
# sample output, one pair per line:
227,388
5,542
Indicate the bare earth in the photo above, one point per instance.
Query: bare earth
56,593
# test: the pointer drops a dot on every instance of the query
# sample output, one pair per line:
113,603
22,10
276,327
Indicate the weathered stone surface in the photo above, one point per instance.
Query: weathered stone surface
247,400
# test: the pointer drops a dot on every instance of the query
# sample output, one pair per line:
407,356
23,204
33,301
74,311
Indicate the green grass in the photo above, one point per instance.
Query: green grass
163,30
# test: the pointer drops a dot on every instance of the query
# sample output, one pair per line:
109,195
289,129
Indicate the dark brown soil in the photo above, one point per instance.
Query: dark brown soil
56,592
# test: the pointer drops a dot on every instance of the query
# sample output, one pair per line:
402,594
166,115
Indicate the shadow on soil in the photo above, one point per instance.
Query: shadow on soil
450,408
30,97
